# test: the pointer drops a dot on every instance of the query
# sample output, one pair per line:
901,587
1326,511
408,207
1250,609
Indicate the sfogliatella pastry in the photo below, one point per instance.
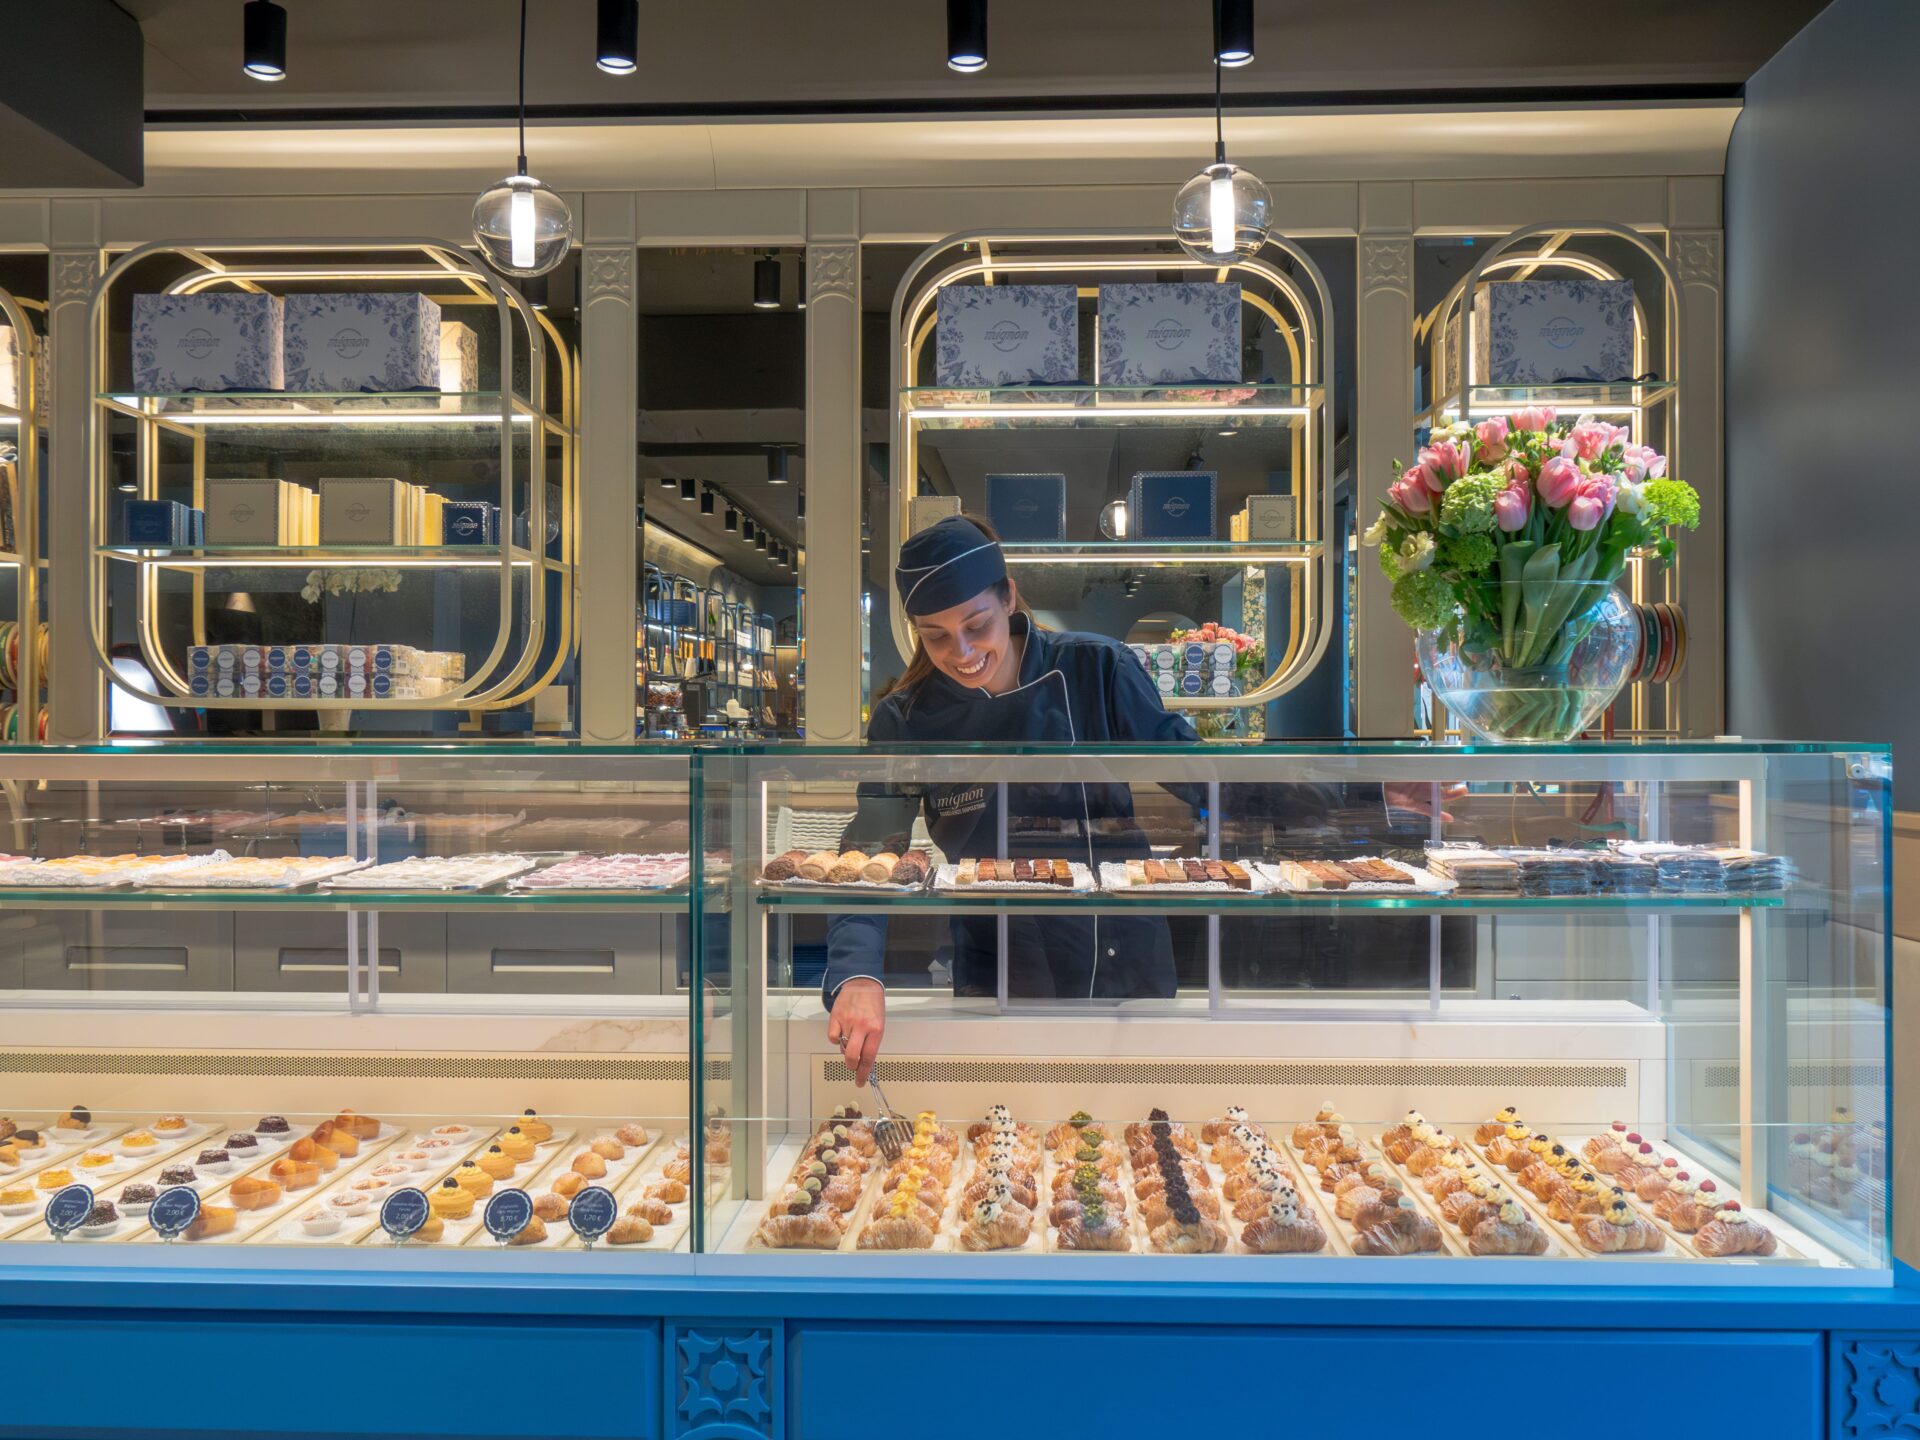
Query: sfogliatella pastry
1182,1199
996,1209
1510,1232
654,1212
908,1215
1286,1228
1688,1214
1618,1231
1404,1231
550,1207
1734,1232
630,1230
532,1233
1490,1130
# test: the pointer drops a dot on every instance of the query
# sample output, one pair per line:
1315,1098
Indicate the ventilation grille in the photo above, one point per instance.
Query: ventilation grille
361,1067
1240,1073
1863,1077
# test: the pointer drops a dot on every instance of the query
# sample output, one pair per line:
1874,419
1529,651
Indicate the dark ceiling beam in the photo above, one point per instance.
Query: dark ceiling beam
72,84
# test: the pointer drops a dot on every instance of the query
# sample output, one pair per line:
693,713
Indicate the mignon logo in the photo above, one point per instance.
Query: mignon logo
1177,506
241,513
348,344
1169,334
199,343
1026,507
358,511
1561,331
1006,335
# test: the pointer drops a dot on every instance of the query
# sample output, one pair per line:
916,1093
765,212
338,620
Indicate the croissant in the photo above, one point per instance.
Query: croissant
1691,1215
1463,1210
816,1230
671,1191
1498,1237
1425,1158
1021,1191
1539,1179
1156,1211
629,1230
1407,1232
1270,1235
1375,1212
1733,1233
657,1212
1347,1204
1570,1205
1106,1230
1201,1237
898,1232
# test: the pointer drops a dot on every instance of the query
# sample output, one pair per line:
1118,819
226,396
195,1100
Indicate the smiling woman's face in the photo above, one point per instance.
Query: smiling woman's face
971,644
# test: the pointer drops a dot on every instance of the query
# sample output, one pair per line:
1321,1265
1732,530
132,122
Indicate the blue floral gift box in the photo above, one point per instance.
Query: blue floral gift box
1170,334
207,342
1538,332
994,335
363,342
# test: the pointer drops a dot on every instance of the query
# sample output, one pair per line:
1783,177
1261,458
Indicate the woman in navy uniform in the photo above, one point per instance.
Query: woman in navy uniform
984,672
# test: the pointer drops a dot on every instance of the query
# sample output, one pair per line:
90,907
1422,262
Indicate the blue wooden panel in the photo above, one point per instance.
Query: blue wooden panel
370,1379
1769,1385
1876,1387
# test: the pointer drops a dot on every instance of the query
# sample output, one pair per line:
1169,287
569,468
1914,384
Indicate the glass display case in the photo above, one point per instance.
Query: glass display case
1588,1009
1594,1011
297,981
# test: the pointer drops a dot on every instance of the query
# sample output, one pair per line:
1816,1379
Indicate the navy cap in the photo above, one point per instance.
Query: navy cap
946,564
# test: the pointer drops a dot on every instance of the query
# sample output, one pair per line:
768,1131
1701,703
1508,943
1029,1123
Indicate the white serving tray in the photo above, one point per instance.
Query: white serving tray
1113,880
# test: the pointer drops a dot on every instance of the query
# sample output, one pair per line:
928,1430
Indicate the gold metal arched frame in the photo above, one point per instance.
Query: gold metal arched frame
25,558
248,266
1311,353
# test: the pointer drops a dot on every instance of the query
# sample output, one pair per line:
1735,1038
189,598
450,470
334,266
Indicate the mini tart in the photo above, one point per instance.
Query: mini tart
532,1125
320,1222
497,1163
170,1124
55,1179
472,1179
96,1160
452,1133
349,1202
450,1200
416,1159
17,1199
139,1140
517,1143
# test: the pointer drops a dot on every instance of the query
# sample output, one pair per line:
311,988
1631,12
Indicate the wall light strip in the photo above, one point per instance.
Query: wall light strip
304,417
1165,557
1092,412
169,562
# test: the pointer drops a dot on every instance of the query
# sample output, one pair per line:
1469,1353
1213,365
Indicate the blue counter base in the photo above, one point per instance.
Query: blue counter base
289,1356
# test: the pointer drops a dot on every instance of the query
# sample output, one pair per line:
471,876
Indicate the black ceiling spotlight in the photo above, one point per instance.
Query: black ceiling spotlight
967,36
617,43
801,499
746,528
669,483
1233,32
706,502
777,465
732,518
688,489
263,33
760,540
766,283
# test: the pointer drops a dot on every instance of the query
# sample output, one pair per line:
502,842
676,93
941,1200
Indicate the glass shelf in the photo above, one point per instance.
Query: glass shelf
307,407
52,898
849,901
404,557
1575,397
1159,552
1222,406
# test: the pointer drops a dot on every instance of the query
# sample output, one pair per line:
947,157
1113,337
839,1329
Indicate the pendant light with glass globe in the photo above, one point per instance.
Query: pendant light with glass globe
1223,213
522,227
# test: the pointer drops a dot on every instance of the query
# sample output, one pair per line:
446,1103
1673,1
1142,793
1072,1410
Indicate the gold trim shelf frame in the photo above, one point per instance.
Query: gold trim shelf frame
22,423
1280,281
1650,406
547,424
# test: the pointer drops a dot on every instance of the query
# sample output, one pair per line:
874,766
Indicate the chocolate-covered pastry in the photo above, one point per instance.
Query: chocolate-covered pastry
273,1125
178,1175
102,1213
137,1194
213,1157
241,1140
784,867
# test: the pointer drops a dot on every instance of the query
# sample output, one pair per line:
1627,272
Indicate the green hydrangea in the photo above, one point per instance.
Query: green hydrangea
1673,502
1389,565
1423,600
1469,554
1467,505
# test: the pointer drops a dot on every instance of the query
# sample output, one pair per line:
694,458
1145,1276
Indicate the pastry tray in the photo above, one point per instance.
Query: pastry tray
458,1232
535,881
549,1167
1083,883
1558,1245
193,880
1336,1242
638,1177
1051,1167
1669,1254
393,877
796,883
1425,882
1451,1243
47,874
1113,880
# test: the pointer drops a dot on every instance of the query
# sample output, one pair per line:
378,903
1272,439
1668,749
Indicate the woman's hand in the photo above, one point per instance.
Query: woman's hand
1421,798
858,1022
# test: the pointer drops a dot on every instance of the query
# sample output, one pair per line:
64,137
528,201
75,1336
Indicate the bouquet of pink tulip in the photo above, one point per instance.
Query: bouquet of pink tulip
1507,534
1247,656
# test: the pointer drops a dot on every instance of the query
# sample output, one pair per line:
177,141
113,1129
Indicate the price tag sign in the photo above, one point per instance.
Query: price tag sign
67,1211
507,1214
173,1211
592,1213
403,1213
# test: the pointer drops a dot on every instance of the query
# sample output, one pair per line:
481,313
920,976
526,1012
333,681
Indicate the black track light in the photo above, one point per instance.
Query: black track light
746,528
617,43
967,36
706,502
687,489
777,466
760,541
766,283
263,34
801,502
667,482
732,519
1233,32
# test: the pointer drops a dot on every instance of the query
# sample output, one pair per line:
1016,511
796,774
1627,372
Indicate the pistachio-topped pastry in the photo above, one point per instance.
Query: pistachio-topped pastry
1079,1120
1511,1214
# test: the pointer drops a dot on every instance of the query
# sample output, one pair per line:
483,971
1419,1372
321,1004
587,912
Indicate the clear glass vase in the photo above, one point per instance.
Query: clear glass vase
1566,674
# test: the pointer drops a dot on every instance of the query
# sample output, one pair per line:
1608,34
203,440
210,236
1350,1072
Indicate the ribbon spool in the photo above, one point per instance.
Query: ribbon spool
1661,651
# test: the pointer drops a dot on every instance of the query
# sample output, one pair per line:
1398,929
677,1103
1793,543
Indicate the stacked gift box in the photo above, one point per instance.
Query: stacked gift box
1189,667
300,672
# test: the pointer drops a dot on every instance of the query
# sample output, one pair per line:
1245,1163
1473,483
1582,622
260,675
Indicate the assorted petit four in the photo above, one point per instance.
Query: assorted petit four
102,1219
213,1220
137,1141
55,1179
451,1200
179,1175
273,1125
320,1222
533,1125
18,1200
252,1193
135,1198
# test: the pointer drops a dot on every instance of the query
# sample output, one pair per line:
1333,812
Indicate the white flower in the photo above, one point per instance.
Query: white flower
1630,499
1376,532
1415,554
